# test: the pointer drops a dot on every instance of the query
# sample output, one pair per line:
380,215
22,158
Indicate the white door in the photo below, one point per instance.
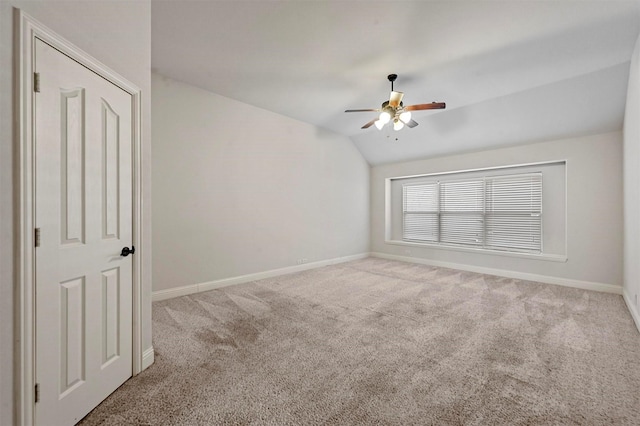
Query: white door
83,210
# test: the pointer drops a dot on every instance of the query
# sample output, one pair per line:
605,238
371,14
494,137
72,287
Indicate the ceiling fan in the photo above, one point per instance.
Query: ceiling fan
393,111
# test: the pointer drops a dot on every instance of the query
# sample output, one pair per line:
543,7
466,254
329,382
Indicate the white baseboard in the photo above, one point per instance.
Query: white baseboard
633,310
566,282
174,292
147,357
212,285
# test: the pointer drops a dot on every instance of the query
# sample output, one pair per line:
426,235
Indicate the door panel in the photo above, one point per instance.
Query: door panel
72,318
110,315
110,175
83,207
72,167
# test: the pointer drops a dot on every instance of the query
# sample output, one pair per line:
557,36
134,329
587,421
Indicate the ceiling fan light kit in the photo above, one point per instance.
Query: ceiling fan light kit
384,118
394,110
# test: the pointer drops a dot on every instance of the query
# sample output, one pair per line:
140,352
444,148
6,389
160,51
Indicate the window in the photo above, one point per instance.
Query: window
421,212
493,212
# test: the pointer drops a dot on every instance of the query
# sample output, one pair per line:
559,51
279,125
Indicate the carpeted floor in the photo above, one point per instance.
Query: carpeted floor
383,342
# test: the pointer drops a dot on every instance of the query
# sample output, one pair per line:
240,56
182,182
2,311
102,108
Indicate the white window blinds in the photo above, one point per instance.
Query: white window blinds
497,212
421,212
514,212
461,208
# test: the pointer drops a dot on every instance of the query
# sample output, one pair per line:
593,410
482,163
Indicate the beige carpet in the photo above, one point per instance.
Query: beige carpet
384,342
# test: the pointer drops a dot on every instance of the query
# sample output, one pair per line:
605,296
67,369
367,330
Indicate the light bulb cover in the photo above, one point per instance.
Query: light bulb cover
397,125
384,117
379,124
405,116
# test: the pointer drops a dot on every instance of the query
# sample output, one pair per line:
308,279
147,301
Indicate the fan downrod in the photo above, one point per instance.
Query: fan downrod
392,78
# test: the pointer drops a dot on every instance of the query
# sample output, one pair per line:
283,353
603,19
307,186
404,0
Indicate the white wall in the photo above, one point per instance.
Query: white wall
119,35
632,187
594,209
241,190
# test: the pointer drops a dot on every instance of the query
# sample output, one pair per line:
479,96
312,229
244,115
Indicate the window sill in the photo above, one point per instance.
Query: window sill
533,256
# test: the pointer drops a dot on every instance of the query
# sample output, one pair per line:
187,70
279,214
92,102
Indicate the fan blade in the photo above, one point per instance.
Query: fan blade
433,105
360,110
395,99
412,123
369,124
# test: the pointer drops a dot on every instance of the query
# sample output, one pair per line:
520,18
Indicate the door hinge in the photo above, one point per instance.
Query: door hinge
36,82
37,392
37,237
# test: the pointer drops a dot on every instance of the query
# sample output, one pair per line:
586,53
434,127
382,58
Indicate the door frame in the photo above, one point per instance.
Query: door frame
27,30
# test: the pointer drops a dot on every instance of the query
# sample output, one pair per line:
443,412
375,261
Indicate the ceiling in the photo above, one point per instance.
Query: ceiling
511,72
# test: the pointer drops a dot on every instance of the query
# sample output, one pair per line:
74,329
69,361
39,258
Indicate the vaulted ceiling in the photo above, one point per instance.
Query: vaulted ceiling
511,72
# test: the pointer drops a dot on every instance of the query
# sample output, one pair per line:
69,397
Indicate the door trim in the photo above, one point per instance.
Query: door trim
27,30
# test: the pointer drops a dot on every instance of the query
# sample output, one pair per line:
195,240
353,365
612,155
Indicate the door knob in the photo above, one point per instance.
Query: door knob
127,251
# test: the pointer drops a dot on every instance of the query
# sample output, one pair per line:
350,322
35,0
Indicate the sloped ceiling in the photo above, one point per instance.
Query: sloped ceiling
511,72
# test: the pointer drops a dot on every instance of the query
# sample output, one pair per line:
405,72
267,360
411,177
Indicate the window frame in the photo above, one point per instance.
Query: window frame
393,217
470,207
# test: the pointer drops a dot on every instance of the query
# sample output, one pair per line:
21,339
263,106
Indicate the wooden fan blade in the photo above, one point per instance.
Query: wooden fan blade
412,123
395,99
433,105
360,110
369,124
